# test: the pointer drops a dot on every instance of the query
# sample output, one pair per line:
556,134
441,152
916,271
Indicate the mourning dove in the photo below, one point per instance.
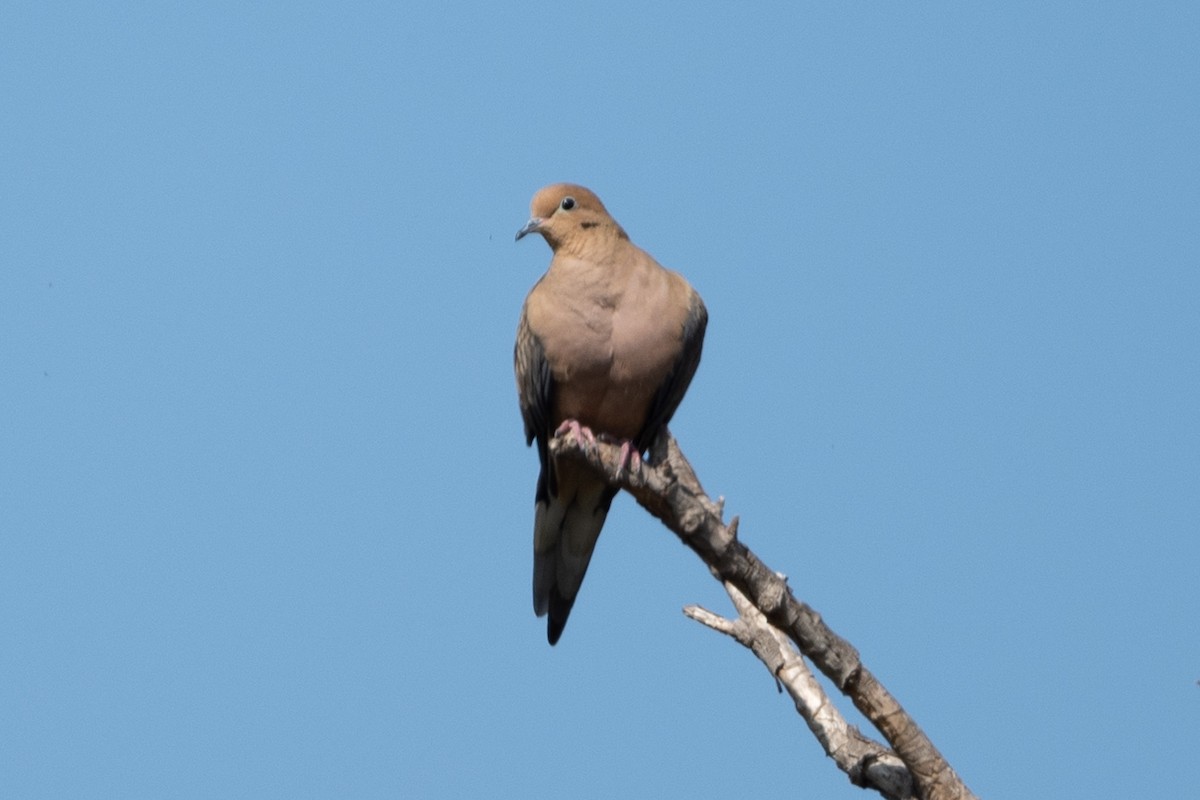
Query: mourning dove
607,344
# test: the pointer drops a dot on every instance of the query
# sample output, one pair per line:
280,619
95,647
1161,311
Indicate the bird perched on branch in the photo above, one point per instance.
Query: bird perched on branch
607,344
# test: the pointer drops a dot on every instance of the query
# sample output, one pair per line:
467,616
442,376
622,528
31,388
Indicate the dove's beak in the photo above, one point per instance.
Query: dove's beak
533,226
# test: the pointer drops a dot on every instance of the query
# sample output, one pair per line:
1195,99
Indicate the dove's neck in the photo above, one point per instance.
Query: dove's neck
594,240
601,276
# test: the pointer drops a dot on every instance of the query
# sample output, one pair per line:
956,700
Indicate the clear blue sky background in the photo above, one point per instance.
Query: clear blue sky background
265,504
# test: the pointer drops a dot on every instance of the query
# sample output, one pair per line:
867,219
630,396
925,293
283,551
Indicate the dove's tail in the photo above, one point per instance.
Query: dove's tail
565,529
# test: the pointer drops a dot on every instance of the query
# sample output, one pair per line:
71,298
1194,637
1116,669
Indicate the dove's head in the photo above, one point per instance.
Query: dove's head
566,212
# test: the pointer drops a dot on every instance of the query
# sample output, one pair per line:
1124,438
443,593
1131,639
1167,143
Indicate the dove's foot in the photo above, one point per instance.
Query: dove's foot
580,432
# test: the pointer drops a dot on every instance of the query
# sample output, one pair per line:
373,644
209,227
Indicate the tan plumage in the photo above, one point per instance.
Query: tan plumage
608,338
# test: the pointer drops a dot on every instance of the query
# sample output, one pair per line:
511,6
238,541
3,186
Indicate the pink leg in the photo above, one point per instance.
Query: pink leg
630,458
579,431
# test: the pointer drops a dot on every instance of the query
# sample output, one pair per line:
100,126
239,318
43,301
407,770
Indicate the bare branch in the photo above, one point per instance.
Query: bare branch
866,762
714,621
668,488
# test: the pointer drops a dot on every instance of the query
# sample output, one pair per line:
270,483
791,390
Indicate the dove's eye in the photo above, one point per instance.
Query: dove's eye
567,203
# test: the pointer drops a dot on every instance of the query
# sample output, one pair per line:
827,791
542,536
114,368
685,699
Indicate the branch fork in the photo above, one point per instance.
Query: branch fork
778,628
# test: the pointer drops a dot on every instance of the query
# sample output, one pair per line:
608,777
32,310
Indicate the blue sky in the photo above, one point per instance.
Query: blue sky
265,505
